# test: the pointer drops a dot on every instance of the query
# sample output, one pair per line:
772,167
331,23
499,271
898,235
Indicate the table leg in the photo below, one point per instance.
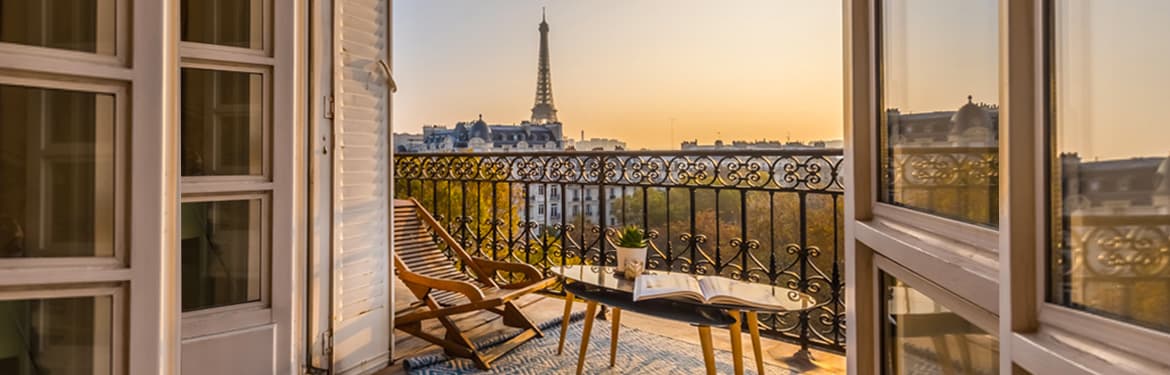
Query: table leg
613,335
565,321
590,310
753,321
736,341
708,354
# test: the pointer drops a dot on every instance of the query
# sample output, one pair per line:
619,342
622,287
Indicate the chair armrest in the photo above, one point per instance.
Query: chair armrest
531,274
421,285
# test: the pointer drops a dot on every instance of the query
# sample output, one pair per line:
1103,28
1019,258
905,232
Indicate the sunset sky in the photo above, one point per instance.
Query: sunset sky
735,70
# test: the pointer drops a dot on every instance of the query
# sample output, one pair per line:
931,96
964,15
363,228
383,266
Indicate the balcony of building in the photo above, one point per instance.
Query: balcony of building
765,216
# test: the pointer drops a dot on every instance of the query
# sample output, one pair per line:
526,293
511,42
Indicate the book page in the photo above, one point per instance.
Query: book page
667,285
722,290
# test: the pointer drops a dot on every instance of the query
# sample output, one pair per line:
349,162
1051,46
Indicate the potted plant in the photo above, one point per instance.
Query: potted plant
631,245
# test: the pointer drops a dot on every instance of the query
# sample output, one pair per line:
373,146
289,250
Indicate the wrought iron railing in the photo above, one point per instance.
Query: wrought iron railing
765,216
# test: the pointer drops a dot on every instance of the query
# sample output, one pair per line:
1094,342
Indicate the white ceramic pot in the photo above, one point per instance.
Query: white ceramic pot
626,253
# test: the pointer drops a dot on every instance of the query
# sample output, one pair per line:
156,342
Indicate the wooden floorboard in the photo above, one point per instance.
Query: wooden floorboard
541,307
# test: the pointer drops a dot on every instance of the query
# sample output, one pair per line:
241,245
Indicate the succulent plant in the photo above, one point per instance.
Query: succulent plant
632,237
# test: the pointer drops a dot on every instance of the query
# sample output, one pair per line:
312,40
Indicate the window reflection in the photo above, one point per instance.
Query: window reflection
940,116
221,125
921,336
234,23
221,251
56,336
78,25
56,173
1111,174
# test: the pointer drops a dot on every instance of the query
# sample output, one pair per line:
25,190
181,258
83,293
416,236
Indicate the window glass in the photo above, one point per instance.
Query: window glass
78,25
221,253
920,336
56,336
221,124
939,124
56,173
1111,176
234,23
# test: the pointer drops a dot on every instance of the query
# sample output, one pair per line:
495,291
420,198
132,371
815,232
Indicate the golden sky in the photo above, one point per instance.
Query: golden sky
732,70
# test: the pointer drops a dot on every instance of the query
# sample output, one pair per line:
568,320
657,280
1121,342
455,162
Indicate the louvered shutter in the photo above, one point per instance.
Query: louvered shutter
361,185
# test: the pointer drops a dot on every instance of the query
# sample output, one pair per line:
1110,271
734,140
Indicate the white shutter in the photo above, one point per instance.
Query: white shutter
361,185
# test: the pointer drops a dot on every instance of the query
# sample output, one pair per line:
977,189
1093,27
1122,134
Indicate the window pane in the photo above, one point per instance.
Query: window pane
56,336
56,173
221,253
79,25
940,112
920,336
235,23
221,126
1111,176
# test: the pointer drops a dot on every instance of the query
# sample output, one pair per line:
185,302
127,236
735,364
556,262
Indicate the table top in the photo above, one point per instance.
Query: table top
606,277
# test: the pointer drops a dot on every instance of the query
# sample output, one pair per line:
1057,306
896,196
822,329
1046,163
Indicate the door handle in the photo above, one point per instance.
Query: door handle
389,76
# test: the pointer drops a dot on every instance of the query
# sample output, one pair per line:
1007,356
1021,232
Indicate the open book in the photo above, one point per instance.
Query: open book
718,290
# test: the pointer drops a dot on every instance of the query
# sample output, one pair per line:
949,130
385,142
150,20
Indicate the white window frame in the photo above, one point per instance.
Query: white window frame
28,56
1035,335
970,312
215,183
959,256
275,186
231,53
241,315
118,259
117,294
1054,336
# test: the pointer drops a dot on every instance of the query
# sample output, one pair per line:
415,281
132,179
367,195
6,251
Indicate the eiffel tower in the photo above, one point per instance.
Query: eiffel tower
543,112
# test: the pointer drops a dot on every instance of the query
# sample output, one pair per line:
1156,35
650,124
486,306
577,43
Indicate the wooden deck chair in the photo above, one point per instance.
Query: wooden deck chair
444,290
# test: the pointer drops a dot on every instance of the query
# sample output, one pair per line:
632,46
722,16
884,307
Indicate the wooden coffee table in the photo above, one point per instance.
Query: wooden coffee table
601,285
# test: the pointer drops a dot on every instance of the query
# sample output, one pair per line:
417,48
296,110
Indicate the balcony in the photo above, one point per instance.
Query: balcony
766,216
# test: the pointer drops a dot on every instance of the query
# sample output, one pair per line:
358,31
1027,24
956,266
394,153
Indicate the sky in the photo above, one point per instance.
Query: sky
716,69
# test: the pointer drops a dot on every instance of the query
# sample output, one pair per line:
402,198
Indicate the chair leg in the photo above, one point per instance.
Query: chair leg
565,321
513,317
708,354
613,335
736,341
753,321
590,310
455,335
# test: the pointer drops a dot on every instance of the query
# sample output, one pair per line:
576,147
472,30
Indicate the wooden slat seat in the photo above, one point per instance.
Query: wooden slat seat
453,282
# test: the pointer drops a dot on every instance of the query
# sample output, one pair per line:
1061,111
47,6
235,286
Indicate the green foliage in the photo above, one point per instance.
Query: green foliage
632,237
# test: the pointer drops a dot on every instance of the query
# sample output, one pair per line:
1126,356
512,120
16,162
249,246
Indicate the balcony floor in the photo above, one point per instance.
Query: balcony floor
541,307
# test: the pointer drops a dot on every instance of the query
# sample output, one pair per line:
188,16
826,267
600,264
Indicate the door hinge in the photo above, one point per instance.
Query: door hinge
330,106
327,344
326,355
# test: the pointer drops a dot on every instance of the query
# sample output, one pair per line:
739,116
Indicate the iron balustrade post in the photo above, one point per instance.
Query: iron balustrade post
803,354
835,280
693,238
601,209
494,227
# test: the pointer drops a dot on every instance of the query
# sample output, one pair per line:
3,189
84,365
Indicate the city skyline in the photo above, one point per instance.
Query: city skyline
772,81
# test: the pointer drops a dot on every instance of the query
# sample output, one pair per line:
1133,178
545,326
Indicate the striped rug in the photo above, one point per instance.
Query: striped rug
639,352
